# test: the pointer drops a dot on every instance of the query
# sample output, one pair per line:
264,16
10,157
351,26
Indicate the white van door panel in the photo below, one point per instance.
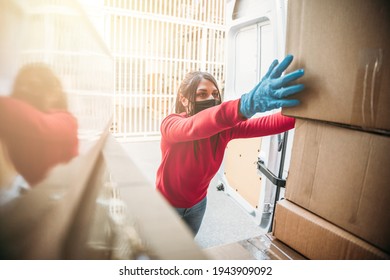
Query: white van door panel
255,37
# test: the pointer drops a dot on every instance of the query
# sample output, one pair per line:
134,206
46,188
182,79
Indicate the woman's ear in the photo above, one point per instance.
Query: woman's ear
184,101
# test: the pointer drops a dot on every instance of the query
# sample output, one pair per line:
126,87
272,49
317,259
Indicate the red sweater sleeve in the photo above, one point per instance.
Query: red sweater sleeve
262,126
179,128
36,141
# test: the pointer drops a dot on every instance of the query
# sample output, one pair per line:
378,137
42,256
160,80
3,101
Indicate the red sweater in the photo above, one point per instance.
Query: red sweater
36,141
193,148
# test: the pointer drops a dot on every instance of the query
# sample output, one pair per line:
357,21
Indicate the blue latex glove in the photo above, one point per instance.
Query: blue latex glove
271,91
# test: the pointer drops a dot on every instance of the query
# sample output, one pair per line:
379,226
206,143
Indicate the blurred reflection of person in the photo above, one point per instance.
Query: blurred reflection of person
37,131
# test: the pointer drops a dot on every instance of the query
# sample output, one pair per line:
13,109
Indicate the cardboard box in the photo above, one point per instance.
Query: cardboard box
344,47
231,251
318,239
262,247
342,175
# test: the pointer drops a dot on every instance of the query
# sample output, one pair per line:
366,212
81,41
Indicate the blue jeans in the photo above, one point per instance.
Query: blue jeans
193,216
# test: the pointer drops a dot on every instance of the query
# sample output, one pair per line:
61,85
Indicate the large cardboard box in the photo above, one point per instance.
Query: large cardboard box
343,176
344,47
263,247
318,239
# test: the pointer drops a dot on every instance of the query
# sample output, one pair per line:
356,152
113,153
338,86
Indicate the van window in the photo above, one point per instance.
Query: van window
253,55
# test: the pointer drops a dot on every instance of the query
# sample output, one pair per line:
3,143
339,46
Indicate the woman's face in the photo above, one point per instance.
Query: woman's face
206,90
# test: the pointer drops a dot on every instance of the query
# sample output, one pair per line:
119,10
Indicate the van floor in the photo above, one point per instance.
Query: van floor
225,221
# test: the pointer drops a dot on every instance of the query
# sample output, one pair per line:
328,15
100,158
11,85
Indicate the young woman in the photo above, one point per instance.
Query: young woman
194,138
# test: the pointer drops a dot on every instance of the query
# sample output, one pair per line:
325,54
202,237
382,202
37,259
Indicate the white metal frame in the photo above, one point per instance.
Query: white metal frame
155,43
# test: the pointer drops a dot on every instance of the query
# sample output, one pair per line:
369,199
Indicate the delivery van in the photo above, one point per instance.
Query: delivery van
322,187
318,191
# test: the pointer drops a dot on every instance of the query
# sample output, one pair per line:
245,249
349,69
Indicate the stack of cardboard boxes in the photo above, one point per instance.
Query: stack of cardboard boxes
337,200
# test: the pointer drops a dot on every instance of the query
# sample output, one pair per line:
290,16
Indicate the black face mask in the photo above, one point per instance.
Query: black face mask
205,104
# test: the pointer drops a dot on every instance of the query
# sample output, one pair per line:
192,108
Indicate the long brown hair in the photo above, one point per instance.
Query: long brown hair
188,88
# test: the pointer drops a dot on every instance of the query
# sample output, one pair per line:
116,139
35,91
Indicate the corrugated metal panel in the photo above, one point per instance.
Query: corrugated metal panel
155,43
